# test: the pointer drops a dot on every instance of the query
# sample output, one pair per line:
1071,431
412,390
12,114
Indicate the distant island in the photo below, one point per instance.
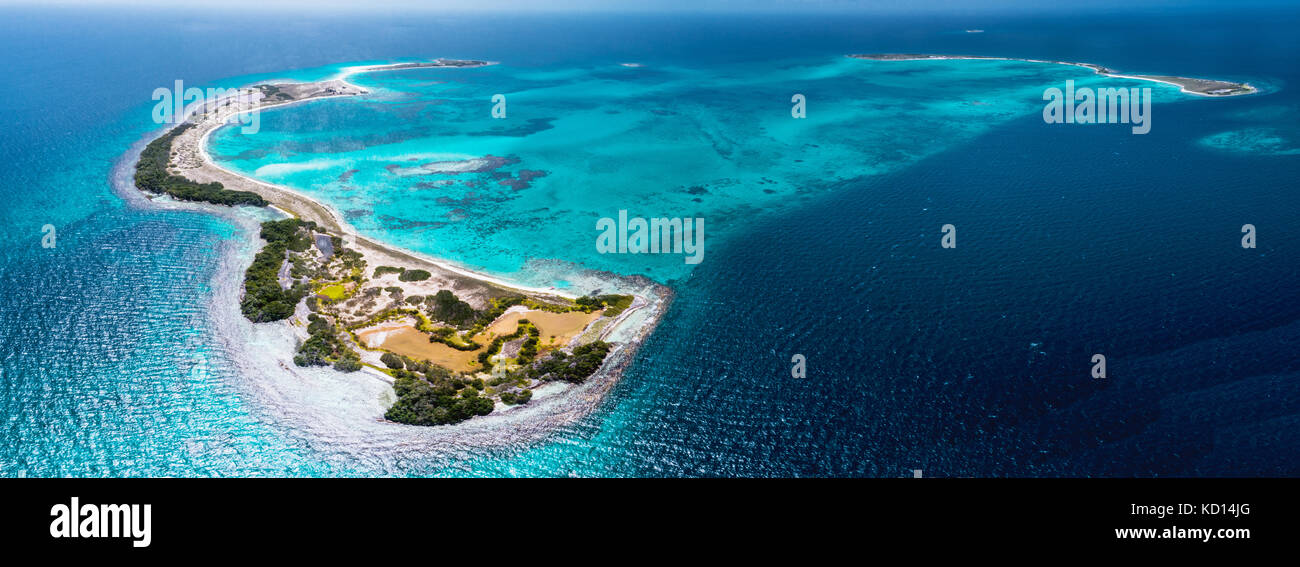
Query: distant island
1201,87
453,343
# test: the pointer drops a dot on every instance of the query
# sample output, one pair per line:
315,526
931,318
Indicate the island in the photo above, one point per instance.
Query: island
454,344
1199,87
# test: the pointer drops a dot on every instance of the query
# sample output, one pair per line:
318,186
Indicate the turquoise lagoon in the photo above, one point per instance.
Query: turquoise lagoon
581,143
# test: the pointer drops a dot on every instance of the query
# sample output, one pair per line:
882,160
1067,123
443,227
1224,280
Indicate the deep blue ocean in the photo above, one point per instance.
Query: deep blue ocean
971,361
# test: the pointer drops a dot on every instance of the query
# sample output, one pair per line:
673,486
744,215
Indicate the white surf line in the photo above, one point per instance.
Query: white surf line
347,72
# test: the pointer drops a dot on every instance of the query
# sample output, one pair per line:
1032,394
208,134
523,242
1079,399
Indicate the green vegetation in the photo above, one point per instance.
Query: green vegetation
528,351
574,368
589,303
551,307
334,291
151,175
381,270
449,337
385,315
392,361
414,276
428,394
264,300
496,309
525,326
273,93
444,335
430,370
446,307
436,398
348,361
516,398
616,304
613,304
349,260
324,348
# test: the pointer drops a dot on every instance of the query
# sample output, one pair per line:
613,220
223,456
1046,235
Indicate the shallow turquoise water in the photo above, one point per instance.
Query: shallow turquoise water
581,143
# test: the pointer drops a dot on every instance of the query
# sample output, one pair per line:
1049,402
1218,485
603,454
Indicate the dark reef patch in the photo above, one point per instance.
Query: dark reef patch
533,126
434,184
522,180
246,154
401,223
469,199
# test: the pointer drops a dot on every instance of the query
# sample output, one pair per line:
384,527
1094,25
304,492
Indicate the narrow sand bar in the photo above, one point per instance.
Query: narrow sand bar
1192,86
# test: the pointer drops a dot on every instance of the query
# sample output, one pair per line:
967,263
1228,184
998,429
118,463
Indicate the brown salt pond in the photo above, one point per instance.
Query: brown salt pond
403,338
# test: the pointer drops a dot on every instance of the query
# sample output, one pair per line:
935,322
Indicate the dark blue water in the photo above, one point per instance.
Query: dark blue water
971,361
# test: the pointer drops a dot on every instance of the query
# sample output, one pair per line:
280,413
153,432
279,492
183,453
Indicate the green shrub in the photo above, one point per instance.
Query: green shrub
350,362
446,307
414,276
420,402
392,361
528,351
151,175
495,347
574,368
613,304
264,300
447,336
516,398
324,348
